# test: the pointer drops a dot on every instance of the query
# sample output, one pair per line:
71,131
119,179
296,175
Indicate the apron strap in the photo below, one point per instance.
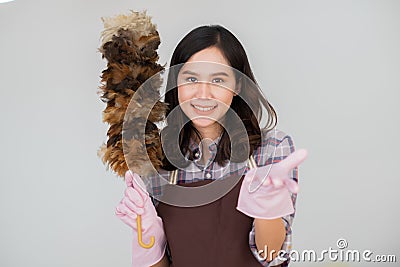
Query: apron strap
173,176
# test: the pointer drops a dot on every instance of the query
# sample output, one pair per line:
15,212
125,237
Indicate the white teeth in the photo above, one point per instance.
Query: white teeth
203,109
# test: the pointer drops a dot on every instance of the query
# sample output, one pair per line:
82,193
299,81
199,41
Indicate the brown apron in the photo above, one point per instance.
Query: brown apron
211,235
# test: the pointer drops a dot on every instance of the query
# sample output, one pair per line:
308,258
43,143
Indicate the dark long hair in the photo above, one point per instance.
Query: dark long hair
250,96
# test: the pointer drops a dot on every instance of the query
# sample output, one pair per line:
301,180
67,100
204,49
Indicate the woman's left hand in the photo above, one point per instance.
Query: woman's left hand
270,199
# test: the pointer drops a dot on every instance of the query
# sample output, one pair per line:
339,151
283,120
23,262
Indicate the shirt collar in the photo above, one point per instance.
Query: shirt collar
193,146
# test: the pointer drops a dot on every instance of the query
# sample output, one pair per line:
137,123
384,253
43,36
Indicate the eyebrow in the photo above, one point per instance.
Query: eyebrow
212,74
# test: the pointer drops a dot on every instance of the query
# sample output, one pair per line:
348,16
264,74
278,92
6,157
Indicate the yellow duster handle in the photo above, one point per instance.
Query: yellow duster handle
139,228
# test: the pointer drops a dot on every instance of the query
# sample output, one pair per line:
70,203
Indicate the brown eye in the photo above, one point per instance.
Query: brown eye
191,79
218,80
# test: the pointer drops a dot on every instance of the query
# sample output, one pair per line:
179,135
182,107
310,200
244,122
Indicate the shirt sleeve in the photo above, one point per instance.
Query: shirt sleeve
263,156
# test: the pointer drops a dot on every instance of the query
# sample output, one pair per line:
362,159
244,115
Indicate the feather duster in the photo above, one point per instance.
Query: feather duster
129,43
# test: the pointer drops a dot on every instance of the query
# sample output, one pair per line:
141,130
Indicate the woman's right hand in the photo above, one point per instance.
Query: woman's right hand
136,202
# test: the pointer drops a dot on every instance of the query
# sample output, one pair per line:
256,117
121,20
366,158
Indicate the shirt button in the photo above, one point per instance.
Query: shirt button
208,175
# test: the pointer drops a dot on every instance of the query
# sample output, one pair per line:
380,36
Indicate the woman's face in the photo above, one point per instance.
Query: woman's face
206,86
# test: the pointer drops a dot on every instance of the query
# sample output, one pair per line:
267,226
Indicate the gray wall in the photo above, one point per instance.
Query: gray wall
330,68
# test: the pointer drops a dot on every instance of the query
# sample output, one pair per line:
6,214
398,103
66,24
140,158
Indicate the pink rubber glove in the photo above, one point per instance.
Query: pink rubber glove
137,202
272,199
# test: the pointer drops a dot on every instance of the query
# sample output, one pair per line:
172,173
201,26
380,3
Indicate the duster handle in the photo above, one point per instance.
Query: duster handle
139,228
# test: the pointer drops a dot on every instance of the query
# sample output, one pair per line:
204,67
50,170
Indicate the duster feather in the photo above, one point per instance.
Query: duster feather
129,44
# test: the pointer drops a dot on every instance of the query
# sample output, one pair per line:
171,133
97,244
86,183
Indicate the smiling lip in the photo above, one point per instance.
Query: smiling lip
203,108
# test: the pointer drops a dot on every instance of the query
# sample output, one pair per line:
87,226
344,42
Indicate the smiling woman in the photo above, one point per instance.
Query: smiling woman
214,110
211,79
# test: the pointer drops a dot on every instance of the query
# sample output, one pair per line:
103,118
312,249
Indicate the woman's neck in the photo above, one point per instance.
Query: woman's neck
209,132
208,136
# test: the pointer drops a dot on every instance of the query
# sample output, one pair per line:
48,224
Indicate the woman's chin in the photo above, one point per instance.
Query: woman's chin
203,122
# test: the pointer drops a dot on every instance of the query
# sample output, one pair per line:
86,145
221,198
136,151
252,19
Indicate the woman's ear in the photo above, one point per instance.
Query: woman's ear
238,87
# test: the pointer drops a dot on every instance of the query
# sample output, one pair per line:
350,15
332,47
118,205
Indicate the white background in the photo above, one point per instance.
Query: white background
330,68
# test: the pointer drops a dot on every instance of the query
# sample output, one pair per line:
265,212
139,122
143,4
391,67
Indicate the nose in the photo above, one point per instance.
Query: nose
203,90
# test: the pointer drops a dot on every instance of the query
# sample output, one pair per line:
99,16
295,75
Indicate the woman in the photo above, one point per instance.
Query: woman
214,112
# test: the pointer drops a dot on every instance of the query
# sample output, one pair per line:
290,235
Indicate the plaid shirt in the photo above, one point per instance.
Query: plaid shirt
278,140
